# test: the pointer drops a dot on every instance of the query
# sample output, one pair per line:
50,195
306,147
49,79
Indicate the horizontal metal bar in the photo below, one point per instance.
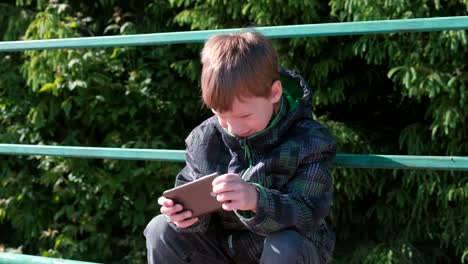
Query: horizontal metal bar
94,152
372,161
308,30
9,258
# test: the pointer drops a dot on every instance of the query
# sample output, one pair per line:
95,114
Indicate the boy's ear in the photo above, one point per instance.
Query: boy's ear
276,91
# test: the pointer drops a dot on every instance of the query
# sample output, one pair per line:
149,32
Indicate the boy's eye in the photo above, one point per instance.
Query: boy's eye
245,116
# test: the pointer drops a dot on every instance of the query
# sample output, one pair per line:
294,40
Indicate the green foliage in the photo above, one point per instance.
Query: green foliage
115,97
13,21
399,93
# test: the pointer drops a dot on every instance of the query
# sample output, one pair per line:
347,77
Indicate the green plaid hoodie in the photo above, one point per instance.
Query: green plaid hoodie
289,162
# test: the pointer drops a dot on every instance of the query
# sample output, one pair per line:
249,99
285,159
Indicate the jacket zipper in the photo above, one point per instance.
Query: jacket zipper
248,156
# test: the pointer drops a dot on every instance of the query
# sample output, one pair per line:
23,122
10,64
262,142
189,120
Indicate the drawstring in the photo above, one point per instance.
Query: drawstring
230,243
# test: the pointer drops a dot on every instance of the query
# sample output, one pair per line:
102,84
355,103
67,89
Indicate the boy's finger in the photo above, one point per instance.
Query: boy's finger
226,178
168,203
165,202
161,200
231,206
223,187
170,210
227,196
181,216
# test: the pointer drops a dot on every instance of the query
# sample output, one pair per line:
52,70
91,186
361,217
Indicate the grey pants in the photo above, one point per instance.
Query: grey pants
165,245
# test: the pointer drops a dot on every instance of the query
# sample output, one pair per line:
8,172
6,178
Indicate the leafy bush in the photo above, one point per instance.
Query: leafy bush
399,93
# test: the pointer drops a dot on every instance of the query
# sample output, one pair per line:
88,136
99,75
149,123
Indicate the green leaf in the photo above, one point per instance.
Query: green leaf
48,87
394,70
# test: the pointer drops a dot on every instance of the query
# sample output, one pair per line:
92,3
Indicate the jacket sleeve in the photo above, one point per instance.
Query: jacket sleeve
189,173
304,202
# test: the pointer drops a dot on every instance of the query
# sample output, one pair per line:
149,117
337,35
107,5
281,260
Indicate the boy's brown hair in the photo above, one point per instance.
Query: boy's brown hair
237,65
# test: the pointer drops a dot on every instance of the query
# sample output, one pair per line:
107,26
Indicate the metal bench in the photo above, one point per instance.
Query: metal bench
371,161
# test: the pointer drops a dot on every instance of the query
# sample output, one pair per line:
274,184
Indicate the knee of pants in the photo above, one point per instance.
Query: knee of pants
155,230
284,243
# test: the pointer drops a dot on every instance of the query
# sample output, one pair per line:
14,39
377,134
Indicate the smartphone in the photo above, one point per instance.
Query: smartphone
196,196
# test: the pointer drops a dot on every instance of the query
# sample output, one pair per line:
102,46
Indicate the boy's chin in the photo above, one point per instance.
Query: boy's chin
245,134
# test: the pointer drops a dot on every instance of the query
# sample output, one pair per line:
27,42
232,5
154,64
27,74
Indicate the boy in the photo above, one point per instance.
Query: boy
274,161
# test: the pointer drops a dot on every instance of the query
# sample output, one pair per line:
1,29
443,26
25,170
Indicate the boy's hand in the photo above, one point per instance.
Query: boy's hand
175,213
235,193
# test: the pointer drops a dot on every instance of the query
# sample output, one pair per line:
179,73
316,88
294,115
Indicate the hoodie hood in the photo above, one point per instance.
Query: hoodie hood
296,91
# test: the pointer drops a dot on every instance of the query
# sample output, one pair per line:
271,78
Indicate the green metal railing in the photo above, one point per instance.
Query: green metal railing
10,258
330,29
310,30
370,161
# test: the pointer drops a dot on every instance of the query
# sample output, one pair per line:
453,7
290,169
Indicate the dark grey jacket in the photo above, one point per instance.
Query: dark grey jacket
289,161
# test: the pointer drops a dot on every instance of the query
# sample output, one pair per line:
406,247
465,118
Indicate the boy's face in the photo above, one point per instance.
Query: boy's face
250,115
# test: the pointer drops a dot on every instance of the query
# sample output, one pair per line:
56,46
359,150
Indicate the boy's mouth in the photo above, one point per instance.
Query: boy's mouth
244,134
